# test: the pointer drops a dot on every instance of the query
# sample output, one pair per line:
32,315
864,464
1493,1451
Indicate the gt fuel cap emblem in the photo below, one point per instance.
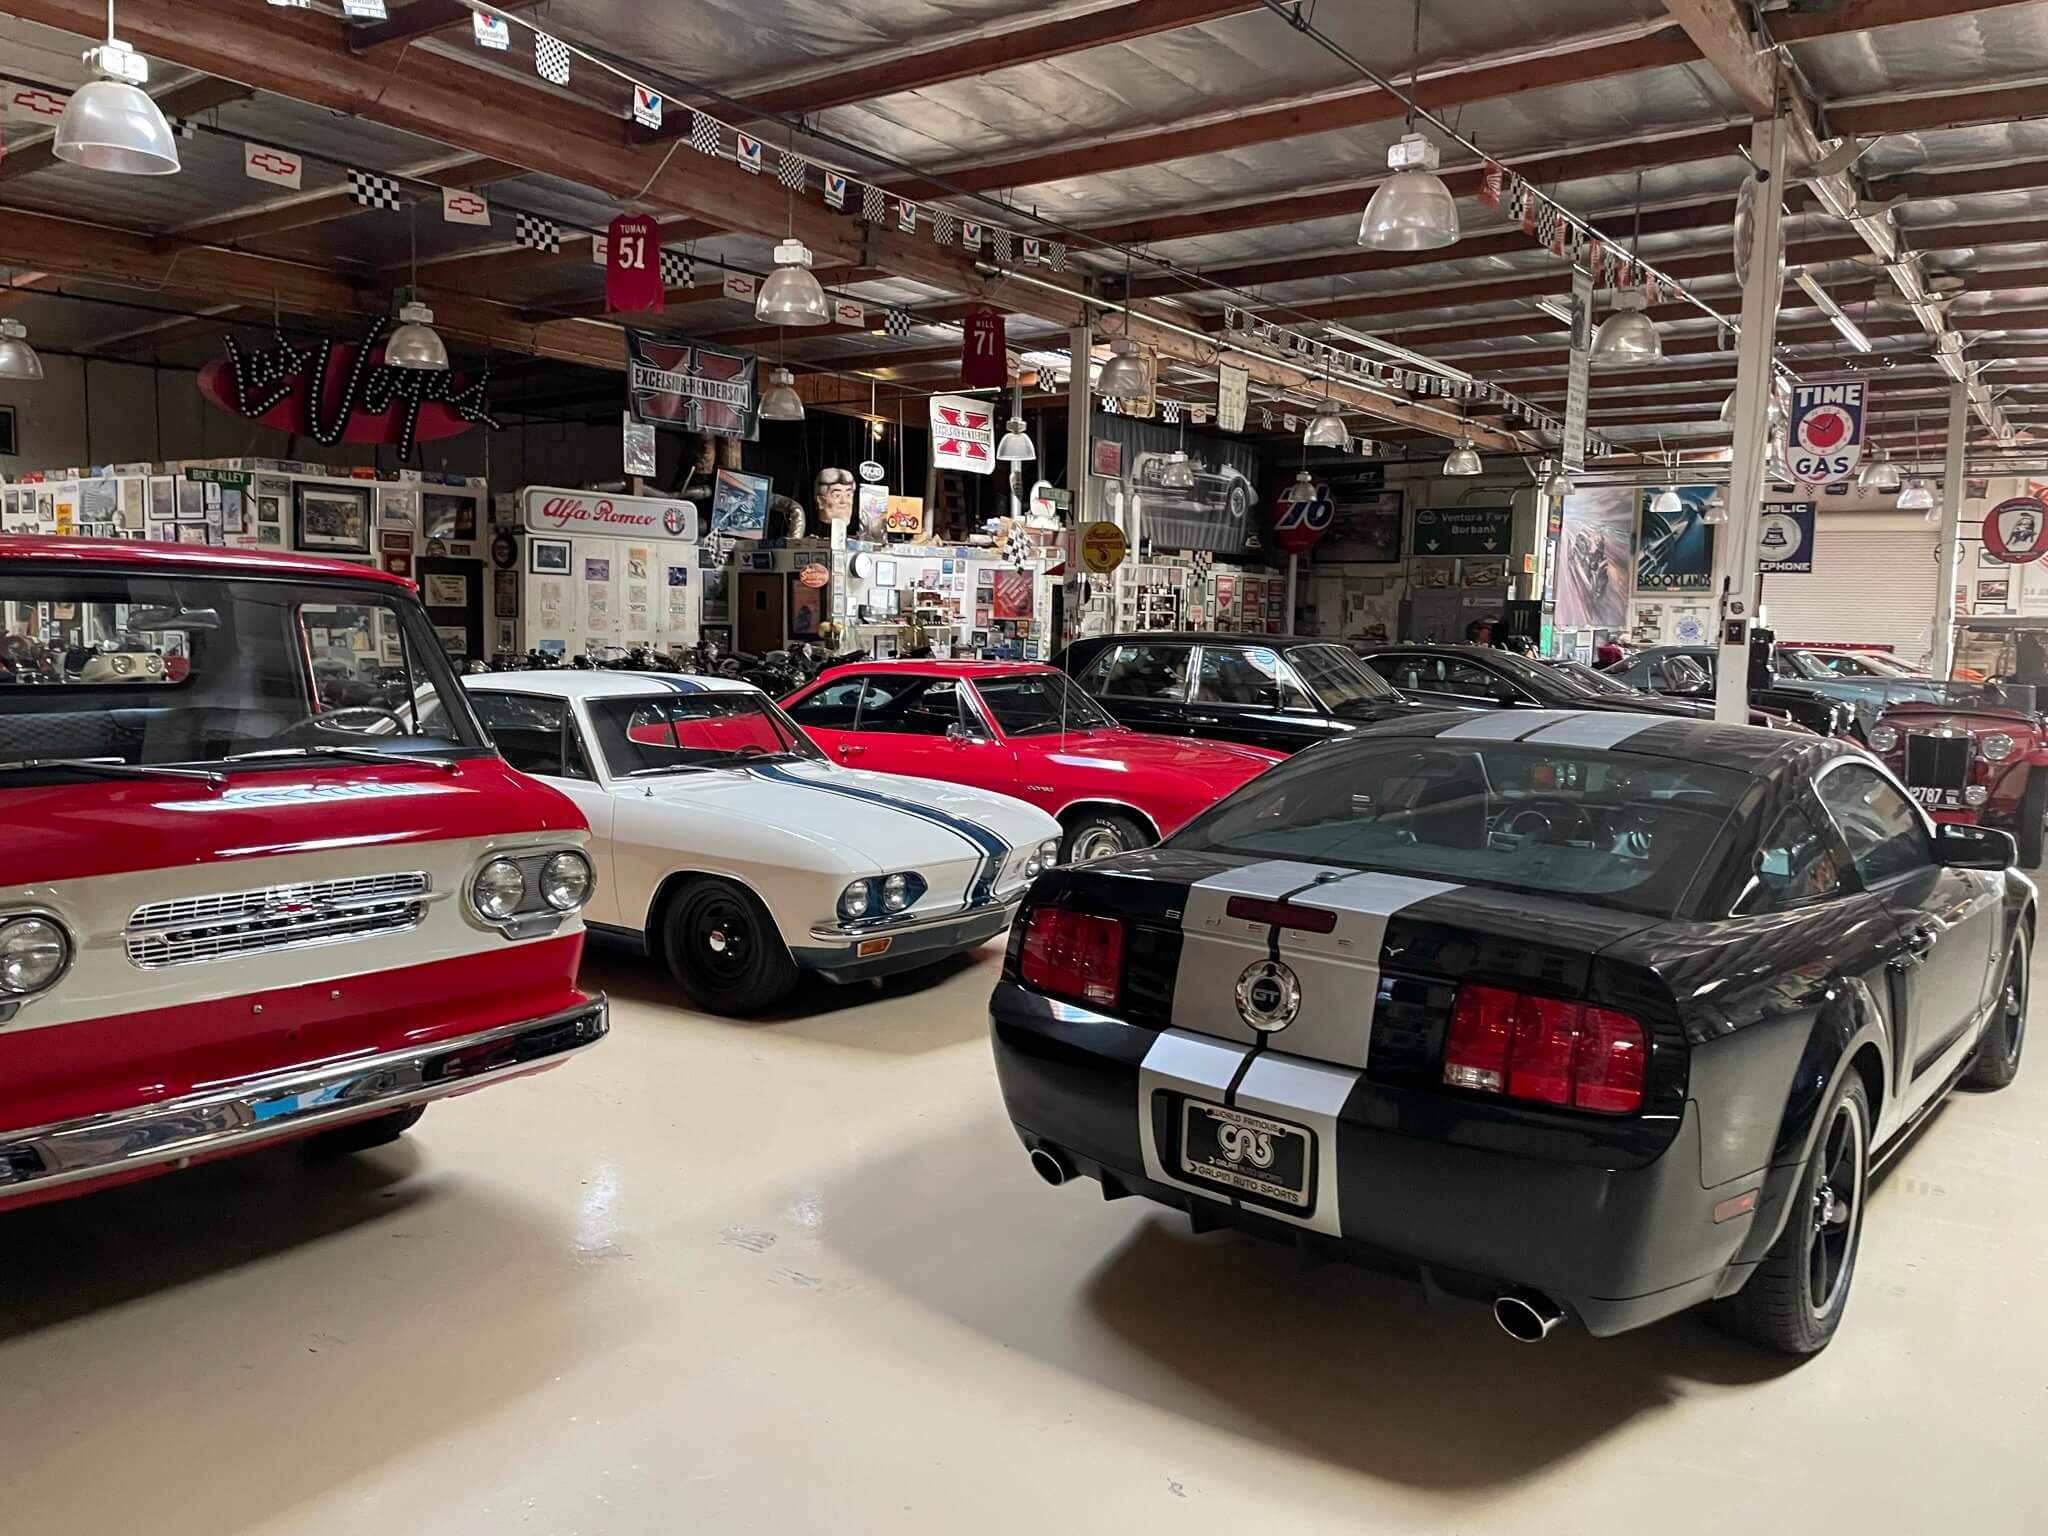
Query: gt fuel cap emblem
1268,995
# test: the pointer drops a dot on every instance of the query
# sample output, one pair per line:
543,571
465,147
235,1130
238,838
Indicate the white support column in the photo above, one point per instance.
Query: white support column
1080,428
1949,551
1735,552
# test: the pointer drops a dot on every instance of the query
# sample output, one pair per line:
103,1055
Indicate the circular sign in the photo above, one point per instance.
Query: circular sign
872,472
2016,531
504,550
1103,546
1297,525
814,575
1779,537
1268,995
675,520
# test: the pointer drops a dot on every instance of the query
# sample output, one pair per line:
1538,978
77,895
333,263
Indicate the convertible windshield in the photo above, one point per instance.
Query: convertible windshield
1604,827
142,668
1587,680
672,734
1041,701
1337,677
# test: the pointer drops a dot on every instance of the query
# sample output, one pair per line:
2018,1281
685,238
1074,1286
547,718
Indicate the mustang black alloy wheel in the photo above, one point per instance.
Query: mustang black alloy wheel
1794,1301
723,949
1997,1061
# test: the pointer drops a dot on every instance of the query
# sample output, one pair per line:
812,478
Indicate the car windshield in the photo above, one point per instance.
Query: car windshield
1040,702
1688,673
641,734
1338,678
1605,827
1889,666
1589,681
136,667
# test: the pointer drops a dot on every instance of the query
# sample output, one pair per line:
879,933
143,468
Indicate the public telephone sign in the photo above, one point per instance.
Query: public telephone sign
1824,437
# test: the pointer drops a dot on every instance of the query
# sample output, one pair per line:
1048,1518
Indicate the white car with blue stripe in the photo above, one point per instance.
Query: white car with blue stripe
730,848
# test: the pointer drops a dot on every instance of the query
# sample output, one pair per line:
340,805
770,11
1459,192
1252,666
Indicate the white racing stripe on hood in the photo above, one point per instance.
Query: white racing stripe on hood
1215,948
1340,970
1307,1094
1189,1064
1506,724
1597,730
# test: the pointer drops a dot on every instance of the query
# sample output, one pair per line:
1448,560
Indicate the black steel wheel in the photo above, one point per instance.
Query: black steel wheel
1794,1301
1997,1061
723,949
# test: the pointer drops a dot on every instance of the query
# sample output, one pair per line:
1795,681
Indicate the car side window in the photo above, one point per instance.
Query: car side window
1248,675
833,707
1468,681
1794,865
1405,672
1883,829
530,732
1158,672
913,706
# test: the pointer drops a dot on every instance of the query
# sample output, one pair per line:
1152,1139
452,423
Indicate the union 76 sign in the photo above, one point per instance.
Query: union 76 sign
1824,438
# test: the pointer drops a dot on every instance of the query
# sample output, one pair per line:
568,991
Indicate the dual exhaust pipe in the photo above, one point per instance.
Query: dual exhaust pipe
1528,1317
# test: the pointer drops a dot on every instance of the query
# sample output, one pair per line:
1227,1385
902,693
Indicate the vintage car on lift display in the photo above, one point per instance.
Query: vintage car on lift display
728,847
231,913
1594,1016
1023,729
1978,751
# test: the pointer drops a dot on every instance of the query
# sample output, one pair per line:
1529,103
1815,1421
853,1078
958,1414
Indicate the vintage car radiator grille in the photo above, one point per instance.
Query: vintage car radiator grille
1937,762
274,917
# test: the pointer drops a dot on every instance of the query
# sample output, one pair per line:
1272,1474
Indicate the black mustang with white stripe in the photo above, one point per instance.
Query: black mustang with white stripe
1593,1015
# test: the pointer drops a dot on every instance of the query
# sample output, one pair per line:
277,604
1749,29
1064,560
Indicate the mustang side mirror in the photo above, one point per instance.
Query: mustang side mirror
1960,845
958,732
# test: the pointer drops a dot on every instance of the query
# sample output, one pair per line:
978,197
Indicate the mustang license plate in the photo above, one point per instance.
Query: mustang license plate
1249,1153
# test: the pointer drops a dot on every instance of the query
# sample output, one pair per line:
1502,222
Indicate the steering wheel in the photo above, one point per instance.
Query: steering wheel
328,717
1548,821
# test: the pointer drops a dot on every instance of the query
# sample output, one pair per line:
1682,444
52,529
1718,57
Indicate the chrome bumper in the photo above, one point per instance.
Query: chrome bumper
912,922
259,1109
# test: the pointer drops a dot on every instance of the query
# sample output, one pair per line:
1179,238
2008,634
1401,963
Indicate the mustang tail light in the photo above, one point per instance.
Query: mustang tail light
1074,954
1545,1051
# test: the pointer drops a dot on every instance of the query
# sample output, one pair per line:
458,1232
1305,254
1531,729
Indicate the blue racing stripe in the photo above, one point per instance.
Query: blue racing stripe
991,847
680,684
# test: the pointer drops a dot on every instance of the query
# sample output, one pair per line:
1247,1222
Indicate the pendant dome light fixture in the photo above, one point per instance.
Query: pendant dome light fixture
1302,491
414,343
1016,446
780,401
1463,460
1878,473
111,124
792,295
1559,484
1628,335
18,359
1177,473
1715,512
1667,501
1412,210
1125,376
1918,496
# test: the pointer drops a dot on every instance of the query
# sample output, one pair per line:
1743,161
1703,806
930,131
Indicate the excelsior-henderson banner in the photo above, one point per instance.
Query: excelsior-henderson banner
696,388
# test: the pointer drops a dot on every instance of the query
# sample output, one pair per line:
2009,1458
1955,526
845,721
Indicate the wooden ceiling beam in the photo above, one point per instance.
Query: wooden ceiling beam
517,260
830,277
417,20
308,209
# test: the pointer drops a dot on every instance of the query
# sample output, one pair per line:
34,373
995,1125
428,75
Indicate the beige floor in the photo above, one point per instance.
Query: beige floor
797,1277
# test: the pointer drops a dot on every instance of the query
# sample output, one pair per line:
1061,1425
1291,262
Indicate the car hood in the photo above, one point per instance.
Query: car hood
1190,755
89,827
886,819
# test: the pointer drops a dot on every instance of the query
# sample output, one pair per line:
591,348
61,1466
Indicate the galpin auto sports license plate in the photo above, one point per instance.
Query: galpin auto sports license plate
1249,1153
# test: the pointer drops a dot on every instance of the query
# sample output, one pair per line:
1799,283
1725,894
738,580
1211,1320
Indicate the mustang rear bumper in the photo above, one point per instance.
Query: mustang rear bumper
240,1116
1616,1247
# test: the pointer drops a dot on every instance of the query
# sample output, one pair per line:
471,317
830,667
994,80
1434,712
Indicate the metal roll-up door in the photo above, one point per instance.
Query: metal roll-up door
1872,584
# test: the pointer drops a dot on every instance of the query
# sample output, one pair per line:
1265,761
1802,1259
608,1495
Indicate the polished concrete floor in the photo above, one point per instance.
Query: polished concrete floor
796,1276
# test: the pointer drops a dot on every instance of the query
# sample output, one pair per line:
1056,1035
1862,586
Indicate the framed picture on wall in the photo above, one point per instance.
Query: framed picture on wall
331,518
448,517
547,557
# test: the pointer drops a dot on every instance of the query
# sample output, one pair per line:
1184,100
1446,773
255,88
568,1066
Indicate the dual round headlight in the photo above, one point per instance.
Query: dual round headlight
33,953
1043,857
562,881
880,897
565,881
499,889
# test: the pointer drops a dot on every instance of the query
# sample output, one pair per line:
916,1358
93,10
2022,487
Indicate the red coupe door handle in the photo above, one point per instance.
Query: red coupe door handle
848,749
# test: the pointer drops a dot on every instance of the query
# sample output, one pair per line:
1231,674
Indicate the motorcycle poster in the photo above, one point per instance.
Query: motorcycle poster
1597,547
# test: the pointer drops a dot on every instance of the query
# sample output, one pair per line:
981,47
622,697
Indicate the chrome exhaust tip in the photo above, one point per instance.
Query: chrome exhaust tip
1050,1166
1527,1317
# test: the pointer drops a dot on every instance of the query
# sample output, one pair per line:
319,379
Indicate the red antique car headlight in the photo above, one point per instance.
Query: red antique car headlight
1995,747
1883,738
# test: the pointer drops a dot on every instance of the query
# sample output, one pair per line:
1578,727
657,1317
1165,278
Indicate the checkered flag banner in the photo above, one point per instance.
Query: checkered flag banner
1016,545
1266,418
536,234
1006,246
874,205
1170,409
944,226
896,323
551,59
1201,560
790,170
704,135
1057,255
677,270
369,190
185,127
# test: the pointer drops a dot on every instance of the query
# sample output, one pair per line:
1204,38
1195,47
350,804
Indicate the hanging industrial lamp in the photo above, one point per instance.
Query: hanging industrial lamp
1667,501
1715,511
1303,490
1463,460
1628,335
1412,210
791,295
1016,446
18,359
1878,473
780,401
1556,483
1918,496
111,124
414,343
1124,376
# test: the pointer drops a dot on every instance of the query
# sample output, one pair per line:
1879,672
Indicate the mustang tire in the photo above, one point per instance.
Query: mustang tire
1997,1061
1794,1301
723,949
1099,835
362,1135
2033,810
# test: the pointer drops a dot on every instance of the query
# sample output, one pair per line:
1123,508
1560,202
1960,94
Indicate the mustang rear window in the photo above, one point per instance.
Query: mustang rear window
1601,826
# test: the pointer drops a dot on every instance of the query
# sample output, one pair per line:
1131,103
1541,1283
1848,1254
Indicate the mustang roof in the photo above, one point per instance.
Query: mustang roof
1745,748
577,683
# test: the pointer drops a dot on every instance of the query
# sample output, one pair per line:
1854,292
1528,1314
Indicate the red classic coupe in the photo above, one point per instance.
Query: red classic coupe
1022,728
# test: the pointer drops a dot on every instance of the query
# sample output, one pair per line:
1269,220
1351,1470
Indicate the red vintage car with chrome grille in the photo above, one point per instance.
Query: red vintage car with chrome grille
234,908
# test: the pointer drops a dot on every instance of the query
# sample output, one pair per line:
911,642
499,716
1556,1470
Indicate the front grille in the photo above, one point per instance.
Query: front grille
275,917
1937,762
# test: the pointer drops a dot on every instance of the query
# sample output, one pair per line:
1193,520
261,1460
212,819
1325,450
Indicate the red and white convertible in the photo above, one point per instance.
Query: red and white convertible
1023,729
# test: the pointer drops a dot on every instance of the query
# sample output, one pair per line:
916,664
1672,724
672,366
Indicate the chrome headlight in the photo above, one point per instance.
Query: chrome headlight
1976,794
33,953
1043,857
899,891
1883,738
856,899
1995,748
499,888
565,881
122,665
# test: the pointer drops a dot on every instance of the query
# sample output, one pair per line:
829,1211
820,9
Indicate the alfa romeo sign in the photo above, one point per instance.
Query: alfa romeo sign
1824,438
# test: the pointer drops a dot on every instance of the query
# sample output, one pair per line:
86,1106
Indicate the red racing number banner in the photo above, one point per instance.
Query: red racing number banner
983,351
632,267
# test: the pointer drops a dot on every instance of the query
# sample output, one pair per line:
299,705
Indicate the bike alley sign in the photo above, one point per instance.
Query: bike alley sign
1464,530
1824,436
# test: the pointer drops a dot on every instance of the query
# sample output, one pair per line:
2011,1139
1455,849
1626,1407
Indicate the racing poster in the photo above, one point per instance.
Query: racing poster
1593,557
1824,436
1675,550
680,384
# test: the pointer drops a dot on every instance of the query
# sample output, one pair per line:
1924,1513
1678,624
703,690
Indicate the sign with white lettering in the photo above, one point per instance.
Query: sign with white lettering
1824,438
547,509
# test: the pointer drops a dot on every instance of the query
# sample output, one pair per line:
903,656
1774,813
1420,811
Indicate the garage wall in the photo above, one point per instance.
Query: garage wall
1873,583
